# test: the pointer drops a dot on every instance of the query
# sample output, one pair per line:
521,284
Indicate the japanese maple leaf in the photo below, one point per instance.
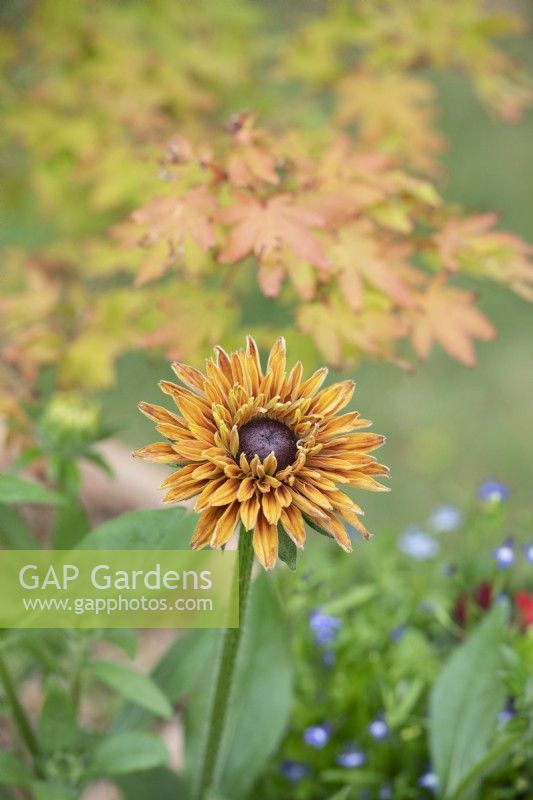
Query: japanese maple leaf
448,316
458,234
471,243
173,217
169,222
359,258
393,110
338,332
262,227
252,161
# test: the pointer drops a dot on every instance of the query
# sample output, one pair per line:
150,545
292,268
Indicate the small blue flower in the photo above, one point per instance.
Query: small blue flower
429,780
446,518
378,728
294,771
351,757
504,554
508,712
528,552
318,735
418,545
324,627
385,793
492,491
397,633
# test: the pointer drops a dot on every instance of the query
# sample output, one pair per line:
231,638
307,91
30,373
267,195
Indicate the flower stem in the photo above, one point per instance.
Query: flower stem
19,715
226,673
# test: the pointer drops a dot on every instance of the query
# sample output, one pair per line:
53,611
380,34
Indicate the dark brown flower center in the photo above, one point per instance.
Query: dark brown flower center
262,436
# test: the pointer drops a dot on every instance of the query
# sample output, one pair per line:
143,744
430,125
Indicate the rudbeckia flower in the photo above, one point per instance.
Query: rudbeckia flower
263,448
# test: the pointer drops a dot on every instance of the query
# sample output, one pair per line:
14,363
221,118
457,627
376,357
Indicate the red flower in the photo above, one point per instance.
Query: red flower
524,604
481,596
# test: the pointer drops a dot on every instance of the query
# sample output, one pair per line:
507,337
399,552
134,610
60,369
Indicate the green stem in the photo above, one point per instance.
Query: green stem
19,715
226,673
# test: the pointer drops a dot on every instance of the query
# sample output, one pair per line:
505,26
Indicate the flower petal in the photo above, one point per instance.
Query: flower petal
246,489
249,511
225,493
226,525
265,542
293,524
190,376
205,527
161,452
271,507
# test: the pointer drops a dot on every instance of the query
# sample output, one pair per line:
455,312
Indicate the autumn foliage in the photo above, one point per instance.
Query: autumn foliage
160,224
361,251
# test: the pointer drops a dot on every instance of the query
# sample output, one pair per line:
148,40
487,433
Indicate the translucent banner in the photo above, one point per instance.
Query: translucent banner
118,589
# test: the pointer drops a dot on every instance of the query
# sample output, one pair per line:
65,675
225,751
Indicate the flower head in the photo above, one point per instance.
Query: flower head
429,780
524,604
508,712
492,491
418,545
378,728
446,519
397,633
264,448
528,552
504,555
294,771
70,423
318,735
351,757
324,627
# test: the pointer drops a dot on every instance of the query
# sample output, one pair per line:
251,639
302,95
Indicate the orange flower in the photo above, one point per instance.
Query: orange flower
266,449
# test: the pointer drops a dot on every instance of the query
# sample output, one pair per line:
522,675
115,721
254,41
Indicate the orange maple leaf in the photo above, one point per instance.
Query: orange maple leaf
361,259
455,237
264,227
171,221
448,316
253,160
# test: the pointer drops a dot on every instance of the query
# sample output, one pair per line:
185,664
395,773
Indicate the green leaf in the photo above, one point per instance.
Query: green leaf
135,686
161,529
261,705
127,752
57,723
161,783
71,524
353,599
18,490
14,533
53,791
123,638
465,702
358,778
288,552
488,764
343,794
176,674
316,527
99,460
12,771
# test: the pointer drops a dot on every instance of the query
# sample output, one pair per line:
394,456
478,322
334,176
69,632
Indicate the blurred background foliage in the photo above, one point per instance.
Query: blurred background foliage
90,94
